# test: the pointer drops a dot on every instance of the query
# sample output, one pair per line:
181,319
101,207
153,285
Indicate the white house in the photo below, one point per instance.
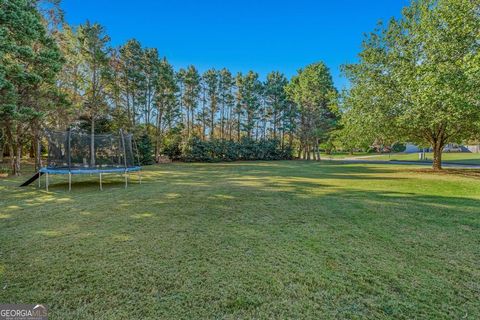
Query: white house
451,147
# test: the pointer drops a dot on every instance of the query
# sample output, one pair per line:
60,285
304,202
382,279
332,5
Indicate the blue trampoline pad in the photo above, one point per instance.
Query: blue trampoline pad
89,170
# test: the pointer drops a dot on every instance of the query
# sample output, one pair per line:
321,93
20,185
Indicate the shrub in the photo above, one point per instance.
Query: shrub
4,171
398,147
145,149
172,144
215,150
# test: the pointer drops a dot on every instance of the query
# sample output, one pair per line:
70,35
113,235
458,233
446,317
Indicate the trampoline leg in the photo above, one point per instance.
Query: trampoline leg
69,182
39,181
46,181
101,188
126,180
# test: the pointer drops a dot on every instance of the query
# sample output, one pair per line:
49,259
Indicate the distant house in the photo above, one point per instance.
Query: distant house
474,148
411,148
451,147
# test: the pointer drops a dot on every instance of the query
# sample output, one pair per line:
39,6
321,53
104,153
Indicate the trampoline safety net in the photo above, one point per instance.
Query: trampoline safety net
76,150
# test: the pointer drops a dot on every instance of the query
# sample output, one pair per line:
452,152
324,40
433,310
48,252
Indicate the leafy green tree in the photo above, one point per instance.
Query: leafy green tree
117,110
166,103
151,70
145,149
418,77
315,95
226,101
251,87
289,123
202,114
71,82
211,78
276,98
133,82
95,68
29,63
239,104
190,79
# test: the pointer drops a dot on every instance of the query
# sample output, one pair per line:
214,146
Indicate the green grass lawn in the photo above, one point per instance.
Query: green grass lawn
246,240
343,155
461,157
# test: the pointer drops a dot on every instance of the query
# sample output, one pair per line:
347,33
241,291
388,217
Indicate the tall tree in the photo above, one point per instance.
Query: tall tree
251,88
117,108
314,93
191,90
226,100
276,99
151,68
165,101
133,82
211,79
71,81
239,104
29,63
418,77
95,68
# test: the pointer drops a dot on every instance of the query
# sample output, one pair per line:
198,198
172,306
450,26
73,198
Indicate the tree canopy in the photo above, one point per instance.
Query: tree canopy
417,79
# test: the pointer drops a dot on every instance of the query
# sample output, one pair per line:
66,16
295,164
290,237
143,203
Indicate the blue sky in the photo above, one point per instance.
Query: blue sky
242,35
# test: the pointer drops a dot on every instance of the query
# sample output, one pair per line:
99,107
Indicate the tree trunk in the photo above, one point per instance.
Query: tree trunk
192,120
11,152
238,127
158,136
18,158
437,156
92,143
317,150
274,125
37,149
187,111
2,151
212,125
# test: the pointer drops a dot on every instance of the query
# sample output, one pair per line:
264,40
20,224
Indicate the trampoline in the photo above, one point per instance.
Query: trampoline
75,152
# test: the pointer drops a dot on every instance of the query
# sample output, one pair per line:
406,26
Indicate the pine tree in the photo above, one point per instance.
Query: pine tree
276,100
226,101
94,67
191,91
29,63
211,78
151,70
165,101
251,89
133,80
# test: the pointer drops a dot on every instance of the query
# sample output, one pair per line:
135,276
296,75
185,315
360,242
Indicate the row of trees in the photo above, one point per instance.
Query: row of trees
55,75
417,80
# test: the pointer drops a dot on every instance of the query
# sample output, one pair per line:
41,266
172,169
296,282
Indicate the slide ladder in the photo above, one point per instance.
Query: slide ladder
32,179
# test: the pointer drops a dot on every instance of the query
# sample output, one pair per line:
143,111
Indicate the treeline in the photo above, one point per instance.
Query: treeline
416,80
54,75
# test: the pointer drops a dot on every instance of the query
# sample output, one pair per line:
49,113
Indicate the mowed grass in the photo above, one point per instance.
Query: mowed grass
246,240
343,155
447,157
